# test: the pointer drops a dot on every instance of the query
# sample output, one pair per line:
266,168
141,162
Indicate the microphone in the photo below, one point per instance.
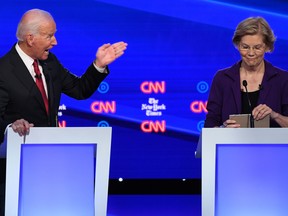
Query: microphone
260,87
38,76
244,83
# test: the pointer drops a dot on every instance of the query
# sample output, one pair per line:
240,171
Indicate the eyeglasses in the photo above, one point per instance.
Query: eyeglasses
257,48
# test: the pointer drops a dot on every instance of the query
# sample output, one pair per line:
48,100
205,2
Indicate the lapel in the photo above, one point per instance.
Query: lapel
23,75
234,75
266,84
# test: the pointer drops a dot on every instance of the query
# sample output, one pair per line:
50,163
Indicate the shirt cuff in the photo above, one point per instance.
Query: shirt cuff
101,70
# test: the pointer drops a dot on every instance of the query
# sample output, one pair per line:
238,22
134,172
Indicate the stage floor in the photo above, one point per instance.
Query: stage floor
154,205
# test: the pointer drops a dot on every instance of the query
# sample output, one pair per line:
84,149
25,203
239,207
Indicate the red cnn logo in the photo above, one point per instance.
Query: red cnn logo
198,106
103,107
150,126
62,124
149,87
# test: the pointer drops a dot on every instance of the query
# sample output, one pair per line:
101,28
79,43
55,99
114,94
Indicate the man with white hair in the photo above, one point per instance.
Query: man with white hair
32,79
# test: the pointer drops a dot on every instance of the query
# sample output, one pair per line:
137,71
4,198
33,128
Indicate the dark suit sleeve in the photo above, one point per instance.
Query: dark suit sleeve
215,103
4,100
78,87
83,87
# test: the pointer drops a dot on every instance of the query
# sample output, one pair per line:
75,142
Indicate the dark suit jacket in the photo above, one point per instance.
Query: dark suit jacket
20,97
225,95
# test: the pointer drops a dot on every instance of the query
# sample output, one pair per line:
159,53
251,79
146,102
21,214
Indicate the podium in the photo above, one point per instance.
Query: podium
244,171
57,171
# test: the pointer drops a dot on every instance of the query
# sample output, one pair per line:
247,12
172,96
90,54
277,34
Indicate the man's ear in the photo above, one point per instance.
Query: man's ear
30,39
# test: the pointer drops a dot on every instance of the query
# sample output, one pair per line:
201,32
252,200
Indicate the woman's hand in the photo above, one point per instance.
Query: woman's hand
261,111
229,123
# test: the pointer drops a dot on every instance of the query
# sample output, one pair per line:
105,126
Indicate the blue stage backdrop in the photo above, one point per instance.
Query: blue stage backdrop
155,97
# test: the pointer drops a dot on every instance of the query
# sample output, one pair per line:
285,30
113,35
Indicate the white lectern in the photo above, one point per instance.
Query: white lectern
53,171
244,171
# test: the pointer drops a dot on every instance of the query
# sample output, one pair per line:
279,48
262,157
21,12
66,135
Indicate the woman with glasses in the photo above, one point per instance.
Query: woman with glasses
252,85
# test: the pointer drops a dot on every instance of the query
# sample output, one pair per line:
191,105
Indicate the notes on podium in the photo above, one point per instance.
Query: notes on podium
244,121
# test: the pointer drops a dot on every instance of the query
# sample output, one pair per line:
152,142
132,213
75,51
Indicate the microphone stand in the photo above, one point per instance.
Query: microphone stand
251,119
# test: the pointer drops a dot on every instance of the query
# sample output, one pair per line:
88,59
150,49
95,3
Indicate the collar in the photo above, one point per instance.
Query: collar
28,61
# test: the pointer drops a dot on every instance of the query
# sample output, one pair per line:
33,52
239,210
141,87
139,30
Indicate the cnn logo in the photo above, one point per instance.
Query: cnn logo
148,87
150,126
103,107
198,106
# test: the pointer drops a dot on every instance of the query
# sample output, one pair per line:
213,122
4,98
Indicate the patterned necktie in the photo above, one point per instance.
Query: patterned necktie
40,85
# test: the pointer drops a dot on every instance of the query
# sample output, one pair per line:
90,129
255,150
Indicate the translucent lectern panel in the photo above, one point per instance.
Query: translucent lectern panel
251,179
18,196
57,180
